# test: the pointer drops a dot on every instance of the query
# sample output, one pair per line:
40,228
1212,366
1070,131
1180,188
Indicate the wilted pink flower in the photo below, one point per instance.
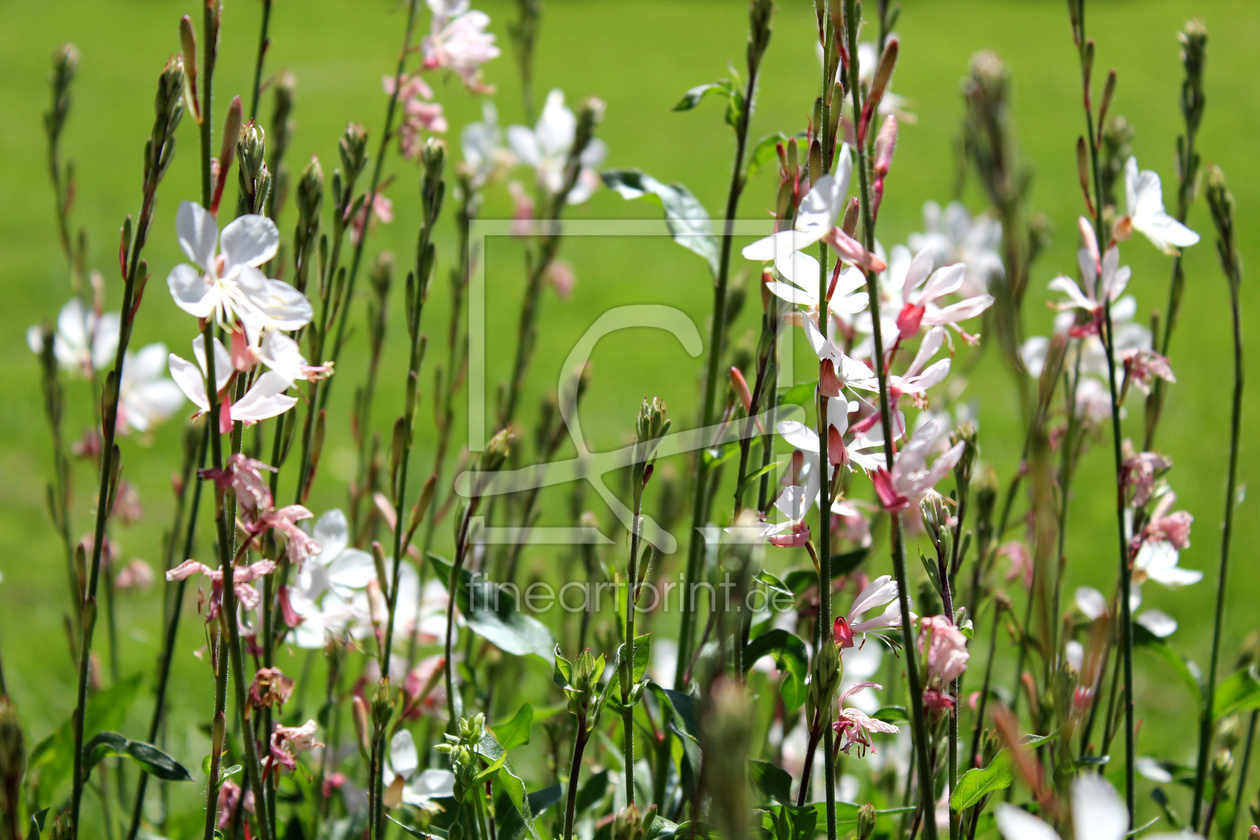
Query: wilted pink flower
135,575
1173,528
287,743
1142,366
1138,474
230,800
300,544
127,507
246,595
270,688
243,475
380,207
853,726
946,649
420,114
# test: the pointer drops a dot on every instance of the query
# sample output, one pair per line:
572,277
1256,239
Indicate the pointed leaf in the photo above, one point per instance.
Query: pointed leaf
685,216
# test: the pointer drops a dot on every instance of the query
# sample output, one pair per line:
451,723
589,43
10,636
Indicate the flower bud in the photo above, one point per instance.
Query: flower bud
353,150
885,145
865,821
824,678
232,135
361,731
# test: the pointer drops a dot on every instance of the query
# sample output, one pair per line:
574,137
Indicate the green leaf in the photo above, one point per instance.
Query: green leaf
515,732
790,655
37,824
411,831
802,395
52,760
979,782
753,478
892,714
773,781
693,97
685,216
1238,692
154,762
491,612
511,827
765,151
493,752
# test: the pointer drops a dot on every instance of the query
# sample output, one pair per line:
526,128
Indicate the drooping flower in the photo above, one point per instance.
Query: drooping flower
546,148
458,40
84,341
270,688
287,743
854,727
229,286
246,595
923,287
1144,200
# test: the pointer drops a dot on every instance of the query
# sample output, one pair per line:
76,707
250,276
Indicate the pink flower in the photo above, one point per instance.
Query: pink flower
230,800
1174,528
458,40
243,475
1138,474
911,478
287,743
380,207
878,593
135,575
1090,295
300,544
270,688
946,649
923,287
854,726
1021,563
1141,366
246,595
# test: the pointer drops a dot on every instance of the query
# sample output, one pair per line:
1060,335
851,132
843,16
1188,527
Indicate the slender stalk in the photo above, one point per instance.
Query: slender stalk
160,149
172,621
386,136
1222,212
448,664
263,43
1085,48
575,769
927,799
1241,791
759,37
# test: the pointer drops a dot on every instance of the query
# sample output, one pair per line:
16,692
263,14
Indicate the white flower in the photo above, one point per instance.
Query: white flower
1157,560
911,478
816,222
1144,200
229,286
404,785
923,287
547,147
264,400
955,236
485,156
881,592
1098,813
283,356
458,40
83,342
323,596
146,395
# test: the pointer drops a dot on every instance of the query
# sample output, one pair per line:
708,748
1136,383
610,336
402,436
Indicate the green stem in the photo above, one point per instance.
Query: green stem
717,333
1208,715
918,722
575,769
263,43
386,136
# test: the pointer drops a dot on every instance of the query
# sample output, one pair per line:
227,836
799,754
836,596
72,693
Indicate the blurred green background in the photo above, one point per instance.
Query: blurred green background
638,57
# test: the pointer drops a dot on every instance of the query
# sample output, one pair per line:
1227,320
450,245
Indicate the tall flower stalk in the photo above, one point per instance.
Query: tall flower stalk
914,685
160,149
1221,202
1093,141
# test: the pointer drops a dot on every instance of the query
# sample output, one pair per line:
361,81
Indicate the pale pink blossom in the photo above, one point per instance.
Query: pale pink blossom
287,743
881,592
458,40
854,727
246,595
1138,474
266,398
946,649
923,287
1142,366
135,575
911,478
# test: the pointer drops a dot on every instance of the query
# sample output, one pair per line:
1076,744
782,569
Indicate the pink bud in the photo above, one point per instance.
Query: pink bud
842,632
885,145
741,389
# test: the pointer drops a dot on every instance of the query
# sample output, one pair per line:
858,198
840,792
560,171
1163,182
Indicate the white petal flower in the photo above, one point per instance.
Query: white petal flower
546,148
146,395
83,341
1144,199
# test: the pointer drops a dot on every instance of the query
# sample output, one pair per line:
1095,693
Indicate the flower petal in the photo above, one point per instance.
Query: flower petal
249,240
191,291
197,233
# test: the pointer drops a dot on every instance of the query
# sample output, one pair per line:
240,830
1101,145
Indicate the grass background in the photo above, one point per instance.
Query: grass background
638,57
